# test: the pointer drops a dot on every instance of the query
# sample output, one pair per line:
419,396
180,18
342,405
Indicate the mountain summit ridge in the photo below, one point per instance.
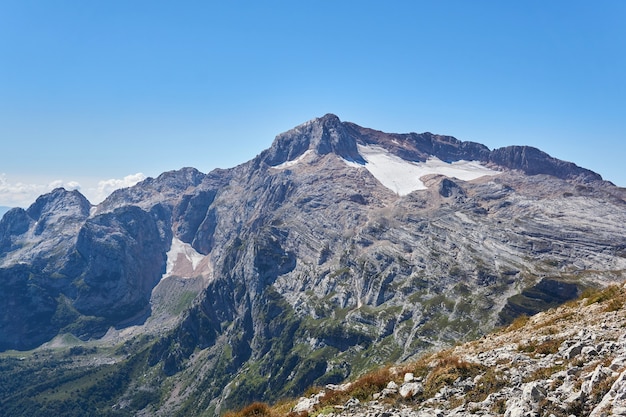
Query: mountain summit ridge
322,135
329,134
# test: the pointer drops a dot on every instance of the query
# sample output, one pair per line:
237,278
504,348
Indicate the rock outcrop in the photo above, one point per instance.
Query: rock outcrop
322,136
532,161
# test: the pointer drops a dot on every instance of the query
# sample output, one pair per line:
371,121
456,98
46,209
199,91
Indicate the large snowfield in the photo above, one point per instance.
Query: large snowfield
403,177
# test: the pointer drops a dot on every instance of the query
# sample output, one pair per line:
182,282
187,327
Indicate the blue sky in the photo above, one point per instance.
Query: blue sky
98,94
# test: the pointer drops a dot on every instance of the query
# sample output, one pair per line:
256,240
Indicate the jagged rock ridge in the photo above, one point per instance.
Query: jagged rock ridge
307,266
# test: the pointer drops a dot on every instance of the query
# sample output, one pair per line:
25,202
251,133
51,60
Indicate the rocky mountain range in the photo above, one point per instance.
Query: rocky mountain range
337,249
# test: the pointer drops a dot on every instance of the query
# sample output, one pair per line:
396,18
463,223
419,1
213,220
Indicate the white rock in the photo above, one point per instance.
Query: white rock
410,389
573,351
589,351
598,375
532,392
305,404
514,412
573,397
342,387
618,411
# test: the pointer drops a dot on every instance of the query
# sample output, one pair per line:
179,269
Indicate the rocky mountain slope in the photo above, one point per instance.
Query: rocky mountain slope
337,249
570,360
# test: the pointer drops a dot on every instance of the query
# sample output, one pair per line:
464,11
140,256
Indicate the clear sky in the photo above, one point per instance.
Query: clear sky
98,94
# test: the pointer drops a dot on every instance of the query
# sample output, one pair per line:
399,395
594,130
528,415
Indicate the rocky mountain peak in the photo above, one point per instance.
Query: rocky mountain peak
328,134
52,211
152,191
323,135
60,200
328,119
533,161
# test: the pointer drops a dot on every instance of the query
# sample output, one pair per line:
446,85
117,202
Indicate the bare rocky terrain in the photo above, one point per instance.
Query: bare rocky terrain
336,250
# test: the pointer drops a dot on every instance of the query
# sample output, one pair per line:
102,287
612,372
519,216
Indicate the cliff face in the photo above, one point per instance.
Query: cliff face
338,248
67,271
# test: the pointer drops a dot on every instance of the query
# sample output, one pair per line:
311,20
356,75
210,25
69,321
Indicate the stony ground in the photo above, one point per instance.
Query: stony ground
569,361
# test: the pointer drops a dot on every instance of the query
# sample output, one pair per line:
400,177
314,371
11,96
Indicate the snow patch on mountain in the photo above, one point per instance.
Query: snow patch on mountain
288,164
403,177
182,259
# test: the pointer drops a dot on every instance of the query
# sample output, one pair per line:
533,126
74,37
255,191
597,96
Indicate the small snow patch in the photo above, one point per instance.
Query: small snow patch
288,164
178,249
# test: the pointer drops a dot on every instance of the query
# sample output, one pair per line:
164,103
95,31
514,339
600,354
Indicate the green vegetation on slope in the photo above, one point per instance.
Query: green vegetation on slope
52,382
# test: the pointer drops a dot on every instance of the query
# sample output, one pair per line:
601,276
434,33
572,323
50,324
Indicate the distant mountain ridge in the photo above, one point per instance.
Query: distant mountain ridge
329,134
336,249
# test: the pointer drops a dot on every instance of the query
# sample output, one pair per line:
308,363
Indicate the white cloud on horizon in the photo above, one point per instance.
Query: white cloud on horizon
70,185
19,194
22,194
106,187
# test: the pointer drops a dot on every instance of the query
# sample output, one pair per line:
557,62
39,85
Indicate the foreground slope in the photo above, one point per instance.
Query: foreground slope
566,361
337,249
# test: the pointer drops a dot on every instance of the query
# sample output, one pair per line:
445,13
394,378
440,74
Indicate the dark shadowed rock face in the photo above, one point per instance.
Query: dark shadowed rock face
546,294
323,136
449,188
62,269
121,257
26,318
